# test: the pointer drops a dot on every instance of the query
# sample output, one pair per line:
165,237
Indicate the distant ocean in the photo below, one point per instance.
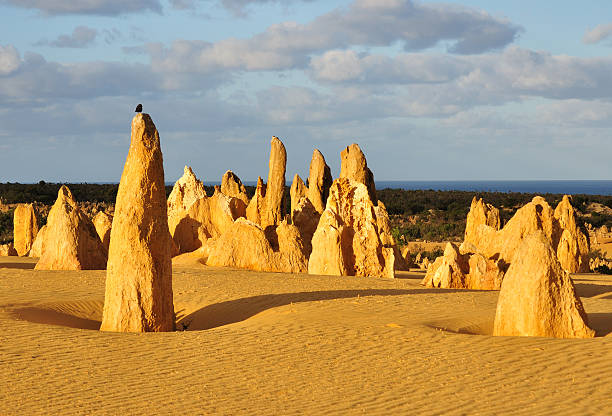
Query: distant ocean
541,187
600,187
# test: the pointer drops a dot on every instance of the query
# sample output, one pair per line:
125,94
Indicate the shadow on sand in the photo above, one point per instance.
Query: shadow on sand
237,310
589,290
52,317
22,266
601,323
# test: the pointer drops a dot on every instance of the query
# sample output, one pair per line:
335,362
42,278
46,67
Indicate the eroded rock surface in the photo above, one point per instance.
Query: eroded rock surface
71,241
25,228
348,240
138,294
232,186
103,223
537,297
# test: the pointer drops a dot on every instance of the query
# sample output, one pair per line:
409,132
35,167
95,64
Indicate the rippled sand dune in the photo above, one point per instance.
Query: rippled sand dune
269,343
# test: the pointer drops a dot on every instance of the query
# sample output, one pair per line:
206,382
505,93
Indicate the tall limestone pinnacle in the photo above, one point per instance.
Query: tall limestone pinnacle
266,208
275,188
353,166
319,181
138,294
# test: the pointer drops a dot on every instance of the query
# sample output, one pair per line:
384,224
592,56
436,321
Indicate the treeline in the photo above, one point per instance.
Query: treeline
415,214
46,192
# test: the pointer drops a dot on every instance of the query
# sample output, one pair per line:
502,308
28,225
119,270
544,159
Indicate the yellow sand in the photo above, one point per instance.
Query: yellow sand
267,343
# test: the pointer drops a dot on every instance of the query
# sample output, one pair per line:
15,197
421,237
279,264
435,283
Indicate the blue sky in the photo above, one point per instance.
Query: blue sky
458,90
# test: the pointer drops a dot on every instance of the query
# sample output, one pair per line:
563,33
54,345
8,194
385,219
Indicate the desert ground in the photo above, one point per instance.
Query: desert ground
273,343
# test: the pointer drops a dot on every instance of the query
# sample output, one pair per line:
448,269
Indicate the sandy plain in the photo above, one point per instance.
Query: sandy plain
270,343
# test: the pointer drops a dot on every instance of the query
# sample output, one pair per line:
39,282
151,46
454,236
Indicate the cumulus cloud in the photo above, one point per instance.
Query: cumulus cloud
89,7
508,75
599,33
289,45
81,37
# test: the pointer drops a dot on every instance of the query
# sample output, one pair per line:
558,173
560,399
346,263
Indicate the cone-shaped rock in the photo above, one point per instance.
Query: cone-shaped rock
480,213
37,246
275,188
231,185
319,181
103,223
71,241
25,228
139,277
298,191
257,203
537,297
187,190
573,248
353,166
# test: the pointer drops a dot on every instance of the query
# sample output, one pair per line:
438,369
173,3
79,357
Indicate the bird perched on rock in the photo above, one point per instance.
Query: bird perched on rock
139,108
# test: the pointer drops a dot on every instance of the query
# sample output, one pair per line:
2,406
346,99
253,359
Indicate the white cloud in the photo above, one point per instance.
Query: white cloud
599,33
87,7
9,59
289,45
476,79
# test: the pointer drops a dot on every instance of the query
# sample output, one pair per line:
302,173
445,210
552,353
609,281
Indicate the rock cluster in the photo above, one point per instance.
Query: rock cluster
138,295
70,241
537,296
347,241
246,245
25,228
483,237
458,270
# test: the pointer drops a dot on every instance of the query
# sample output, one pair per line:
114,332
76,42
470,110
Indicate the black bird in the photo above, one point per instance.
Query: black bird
139,108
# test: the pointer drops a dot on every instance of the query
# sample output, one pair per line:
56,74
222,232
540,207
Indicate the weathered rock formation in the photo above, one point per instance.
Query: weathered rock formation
297,191
187,190
456,270
267,206
37,246
353,166
257,204
25,228
103,223
537,297
319,181
559,226
307,203
71,241
8,250
138,294
232,186
348,237
207,218
573,247
480,213
246,245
